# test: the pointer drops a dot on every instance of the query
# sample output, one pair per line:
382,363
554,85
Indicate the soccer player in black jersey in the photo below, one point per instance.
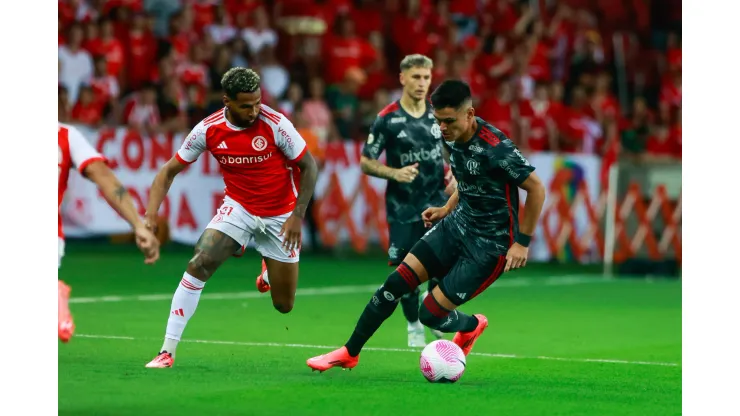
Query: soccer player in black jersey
412,141
476,238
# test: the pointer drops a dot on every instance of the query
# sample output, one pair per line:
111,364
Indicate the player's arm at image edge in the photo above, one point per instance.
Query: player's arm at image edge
533,204
309,174
113,191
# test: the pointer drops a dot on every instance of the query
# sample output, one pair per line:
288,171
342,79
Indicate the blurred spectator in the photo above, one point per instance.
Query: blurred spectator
538,128
162,11
378,74
221,63
222,30
111,48
259,35
662,146
275,78
497,109
87,110
75,63
140,51
343,49
292,102
343,102
173,105
105,86
579,131
636,129
604,103
141,112
316,112
239,53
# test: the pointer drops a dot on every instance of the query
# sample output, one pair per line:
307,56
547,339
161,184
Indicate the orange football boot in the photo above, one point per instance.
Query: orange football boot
163,360
336,358
465,340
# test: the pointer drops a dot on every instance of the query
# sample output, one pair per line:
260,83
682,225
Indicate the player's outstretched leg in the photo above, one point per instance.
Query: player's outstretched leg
407,277
212,249
439,313
66,325
410,308
284,283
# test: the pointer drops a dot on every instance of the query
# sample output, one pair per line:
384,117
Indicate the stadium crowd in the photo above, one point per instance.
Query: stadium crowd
592,76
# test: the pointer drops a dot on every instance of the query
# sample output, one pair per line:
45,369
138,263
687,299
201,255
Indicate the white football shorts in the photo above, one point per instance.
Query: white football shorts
233,220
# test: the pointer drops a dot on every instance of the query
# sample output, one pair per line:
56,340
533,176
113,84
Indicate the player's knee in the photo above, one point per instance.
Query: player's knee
403,280
283,307
432,314
201,265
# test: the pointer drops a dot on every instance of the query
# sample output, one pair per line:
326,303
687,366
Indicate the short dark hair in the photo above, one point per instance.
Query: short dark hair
451,93
239,79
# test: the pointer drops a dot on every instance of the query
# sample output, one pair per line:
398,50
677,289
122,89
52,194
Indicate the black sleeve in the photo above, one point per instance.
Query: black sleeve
511,161
376,140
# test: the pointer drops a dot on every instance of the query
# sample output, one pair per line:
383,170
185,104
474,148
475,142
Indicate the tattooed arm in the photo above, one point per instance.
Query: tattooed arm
118,198
114,192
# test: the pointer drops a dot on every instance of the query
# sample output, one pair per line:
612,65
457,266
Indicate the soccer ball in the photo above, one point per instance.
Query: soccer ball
442,361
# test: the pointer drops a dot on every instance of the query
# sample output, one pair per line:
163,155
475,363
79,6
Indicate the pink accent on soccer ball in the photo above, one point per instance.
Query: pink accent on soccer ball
448,351
427,369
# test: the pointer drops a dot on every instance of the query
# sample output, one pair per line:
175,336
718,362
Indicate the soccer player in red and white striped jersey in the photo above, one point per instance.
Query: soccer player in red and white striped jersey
260,154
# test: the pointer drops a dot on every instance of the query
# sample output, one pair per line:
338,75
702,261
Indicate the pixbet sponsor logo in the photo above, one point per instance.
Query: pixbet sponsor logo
420,155
243,160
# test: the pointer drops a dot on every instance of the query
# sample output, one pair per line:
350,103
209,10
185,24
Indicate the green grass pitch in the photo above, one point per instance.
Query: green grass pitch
560,342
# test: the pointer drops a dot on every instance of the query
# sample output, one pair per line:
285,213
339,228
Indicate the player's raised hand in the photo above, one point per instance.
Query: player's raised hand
516,257
291,231
433,214
148,244
406,174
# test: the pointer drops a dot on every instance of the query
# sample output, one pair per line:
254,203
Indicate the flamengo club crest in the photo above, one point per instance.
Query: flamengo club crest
259,143
473,167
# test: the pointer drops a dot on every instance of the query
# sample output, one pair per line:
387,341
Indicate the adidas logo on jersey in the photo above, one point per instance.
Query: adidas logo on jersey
402,134
222,146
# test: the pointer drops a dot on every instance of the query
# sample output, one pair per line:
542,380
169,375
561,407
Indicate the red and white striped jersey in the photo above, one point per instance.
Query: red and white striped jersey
74,151
255,161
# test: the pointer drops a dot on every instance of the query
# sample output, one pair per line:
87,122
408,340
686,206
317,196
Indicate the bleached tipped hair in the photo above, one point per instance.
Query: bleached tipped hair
416,61
239,79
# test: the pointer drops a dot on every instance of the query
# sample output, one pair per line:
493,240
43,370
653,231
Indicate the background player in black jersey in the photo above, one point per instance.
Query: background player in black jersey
414,168
477,236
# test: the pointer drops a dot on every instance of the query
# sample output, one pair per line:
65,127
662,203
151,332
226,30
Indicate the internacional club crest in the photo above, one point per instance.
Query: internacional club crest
259,143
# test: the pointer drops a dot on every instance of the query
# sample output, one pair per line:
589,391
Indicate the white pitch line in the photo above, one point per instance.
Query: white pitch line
340,290
330,347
